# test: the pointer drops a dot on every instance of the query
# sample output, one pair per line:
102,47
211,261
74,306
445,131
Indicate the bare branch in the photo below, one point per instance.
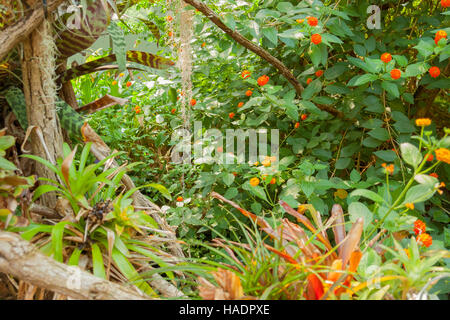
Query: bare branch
24,261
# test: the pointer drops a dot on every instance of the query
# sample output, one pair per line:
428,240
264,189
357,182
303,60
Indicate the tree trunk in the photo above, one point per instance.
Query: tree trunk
38,69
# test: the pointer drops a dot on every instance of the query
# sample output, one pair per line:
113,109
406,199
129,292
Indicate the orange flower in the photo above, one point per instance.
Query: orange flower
262,81
179,199
336,266
434,174
434,72
129,84
389,168
231,115
300,20
445,3
419,227
193,102
240,104
410,206
312,21
169,18
441,34
386,57
424,239
273,181
248,93
114,83
122,74
245,74
170,33
137,109
319,73
297,125
220,149
235,173
407,253
441,185
443,155
173,110
304,117
266,162
423,122
316,38
309,81
203,44
301,209
254,182
430,157
396,74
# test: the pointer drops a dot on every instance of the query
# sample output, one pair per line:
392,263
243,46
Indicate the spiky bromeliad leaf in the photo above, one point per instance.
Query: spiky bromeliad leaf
119,46
16,100
70,120
139,57
152,27
102,103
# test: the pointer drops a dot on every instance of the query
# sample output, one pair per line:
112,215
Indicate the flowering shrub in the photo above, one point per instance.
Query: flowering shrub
367,129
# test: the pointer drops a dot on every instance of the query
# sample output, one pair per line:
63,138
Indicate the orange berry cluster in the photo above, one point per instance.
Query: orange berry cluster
422,237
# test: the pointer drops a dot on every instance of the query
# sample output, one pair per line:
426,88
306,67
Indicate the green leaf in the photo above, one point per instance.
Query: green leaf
414,70
97,262
57,240
6,165
130,272
161,189
419,193
425,48
379,133
44,189
401,60
316,55
335,71
307,187
228,178
271,34
6,142
359,210
368,77
119,46
257,190
391,88
292,111
367,194
313,88
231,193
74,257
410,154
386,155
343,163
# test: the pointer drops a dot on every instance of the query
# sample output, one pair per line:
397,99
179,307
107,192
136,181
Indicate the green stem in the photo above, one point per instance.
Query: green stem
395,204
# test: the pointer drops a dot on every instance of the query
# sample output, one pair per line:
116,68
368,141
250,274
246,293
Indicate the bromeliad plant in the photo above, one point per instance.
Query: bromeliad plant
310,267
102,224
328,270
75,183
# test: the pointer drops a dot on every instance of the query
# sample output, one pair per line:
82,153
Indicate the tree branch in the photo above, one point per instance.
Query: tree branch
24,261
211,15
20,30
